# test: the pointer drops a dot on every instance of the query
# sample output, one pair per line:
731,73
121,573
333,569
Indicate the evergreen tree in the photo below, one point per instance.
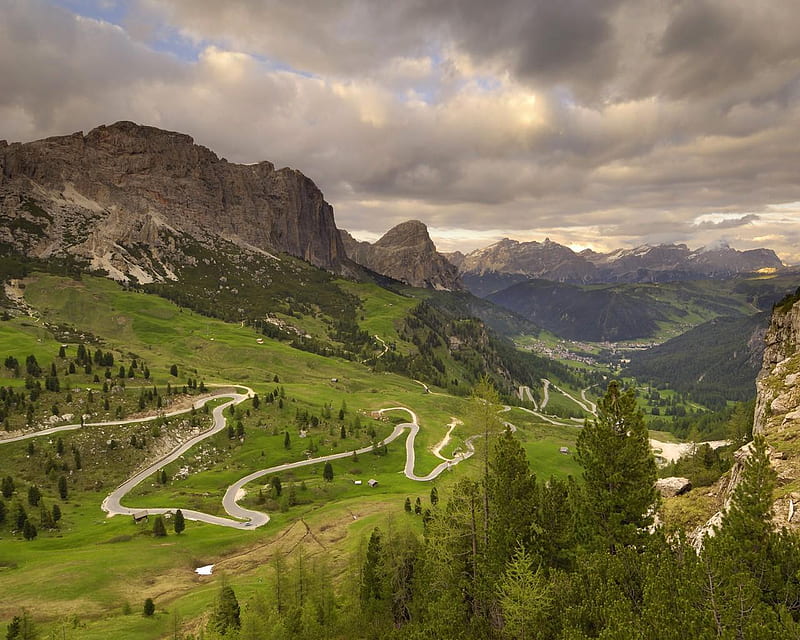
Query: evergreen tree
407,506
56,513
63,490
29,531
327,472
226,614
525,598
173,370
512,499
619,471
418,506
256,401
2,512
372,573
159,530
342,433
7,487
287,443
34,495
149,607
275,483
180,522
22,628
434,496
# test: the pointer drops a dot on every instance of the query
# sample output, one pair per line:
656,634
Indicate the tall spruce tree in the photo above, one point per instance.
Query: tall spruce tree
619,471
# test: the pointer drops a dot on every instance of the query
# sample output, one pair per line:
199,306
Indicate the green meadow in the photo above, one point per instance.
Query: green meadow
89,577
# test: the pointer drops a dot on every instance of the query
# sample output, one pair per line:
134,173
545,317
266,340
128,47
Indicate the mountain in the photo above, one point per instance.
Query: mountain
716,361
615,312
522,261
507,262
128,199
580,313
405,253
672,262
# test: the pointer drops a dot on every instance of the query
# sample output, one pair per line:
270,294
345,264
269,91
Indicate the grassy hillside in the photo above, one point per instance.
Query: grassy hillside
88,575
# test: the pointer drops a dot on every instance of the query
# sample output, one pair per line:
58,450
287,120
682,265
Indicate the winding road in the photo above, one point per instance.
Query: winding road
247,518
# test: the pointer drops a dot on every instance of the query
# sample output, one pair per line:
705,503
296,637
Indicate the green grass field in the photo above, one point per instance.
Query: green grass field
88,578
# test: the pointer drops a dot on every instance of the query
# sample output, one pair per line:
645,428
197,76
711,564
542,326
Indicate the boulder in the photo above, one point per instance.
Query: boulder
673,486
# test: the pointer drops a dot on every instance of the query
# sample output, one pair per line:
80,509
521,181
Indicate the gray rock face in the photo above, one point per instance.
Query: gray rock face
777,414
106,195
405,253
674,486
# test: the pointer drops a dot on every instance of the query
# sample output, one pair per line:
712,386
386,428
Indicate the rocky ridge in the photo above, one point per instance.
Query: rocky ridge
507,262
129,198
777,418
405,253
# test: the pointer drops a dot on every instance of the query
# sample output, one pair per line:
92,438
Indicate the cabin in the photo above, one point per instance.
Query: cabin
140,516
372,482
357,482
564,450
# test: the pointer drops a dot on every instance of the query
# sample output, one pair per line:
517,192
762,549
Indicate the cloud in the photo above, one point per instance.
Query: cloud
603,122
725,220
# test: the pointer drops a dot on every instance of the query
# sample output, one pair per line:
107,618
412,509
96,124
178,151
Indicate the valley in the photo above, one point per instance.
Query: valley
349,435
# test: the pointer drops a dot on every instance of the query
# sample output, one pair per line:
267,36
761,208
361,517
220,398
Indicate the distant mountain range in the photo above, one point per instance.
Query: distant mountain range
508,262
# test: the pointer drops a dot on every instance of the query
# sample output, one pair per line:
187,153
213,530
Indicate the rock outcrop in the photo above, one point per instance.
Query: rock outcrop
125,196
777,417
405,253
673,486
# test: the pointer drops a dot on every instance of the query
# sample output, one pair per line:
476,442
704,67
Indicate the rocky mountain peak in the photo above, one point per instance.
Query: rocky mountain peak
125,190
411,233
405,253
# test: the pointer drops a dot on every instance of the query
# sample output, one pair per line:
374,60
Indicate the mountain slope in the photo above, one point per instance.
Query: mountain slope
716,361
618,312
125,198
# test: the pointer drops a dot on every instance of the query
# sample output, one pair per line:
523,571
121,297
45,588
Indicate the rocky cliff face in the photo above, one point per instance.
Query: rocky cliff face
125,197
405,253
777,416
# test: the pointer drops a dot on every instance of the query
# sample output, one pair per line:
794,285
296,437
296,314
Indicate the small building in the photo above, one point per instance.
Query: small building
372,482
564,450
357,482
140,516
334,380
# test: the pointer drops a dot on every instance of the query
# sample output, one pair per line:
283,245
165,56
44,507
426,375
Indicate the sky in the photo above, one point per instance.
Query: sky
595,123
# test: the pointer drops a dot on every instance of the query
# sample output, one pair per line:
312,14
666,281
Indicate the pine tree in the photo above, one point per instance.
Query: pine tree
149,607
327,472
29,530
287,443
226,614
408,505
179,522
159,530
372,583
512,499
63,490
619,470
34,495
277,488
418,506
7,487
434,496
